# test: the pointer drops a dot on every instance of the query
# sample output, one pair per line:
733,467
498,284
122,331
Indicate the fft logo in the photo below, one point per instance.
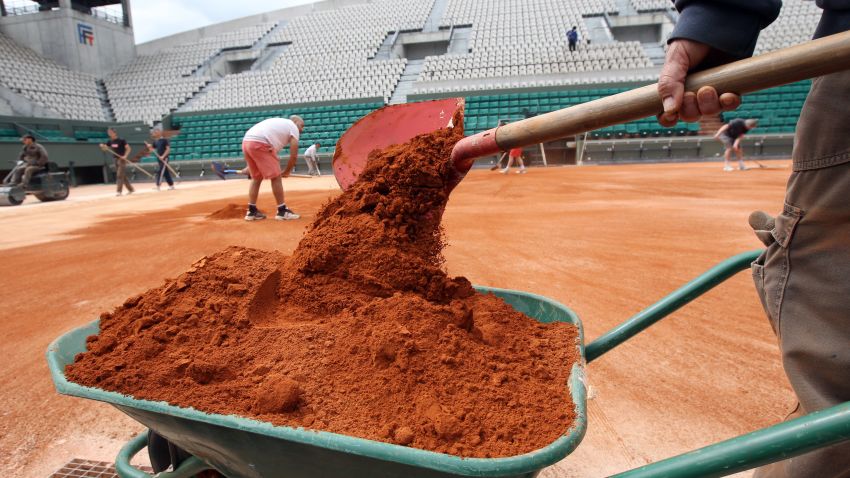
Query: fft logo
85,33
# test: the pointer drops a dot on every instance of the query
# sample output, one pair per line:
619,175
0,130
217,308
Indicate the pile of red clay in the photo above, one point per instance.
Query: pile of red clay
231,211
360,332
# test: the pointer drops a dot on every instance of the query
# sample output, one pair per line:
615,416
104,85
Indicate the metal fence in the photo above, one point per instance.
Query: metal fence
109,13
22,7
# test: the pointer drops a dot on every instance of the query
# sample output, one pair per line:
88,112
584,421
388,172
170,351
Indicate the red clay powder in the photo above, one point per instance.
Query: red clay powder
359,332
231,211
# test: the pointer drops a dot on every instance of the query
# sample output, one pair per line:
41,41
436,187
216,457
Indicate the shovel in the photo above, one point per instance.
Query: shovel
399,123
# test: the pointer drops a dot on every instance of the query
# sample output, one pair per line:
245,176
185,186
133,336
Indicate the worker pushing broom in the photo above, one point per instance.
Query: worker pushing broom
119,148
161,149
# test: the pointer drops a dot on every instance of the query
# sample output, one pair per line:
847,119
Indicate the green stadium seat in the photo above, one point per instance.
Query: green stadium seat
219,135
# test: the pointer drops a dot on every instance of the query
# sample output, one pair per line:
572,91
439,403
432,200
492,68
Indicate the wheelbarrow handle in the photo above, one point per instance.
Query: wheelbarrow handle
666,306
188,468
768,445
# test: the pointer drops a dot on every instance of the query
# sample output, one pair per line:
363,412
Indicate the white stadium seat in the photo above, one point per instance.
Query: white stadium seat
330,57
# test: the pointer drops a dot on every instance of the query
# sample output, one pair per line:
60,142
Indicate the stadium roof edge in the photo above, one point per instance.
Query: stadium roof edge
153,46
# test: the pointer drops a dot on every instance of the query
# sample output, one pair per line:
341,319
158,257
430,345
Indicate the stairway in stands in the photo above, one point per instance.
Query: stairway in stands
104,101
385,50
655,52
263,41
709,125
597,30
437,11
268,53
405,84
625,7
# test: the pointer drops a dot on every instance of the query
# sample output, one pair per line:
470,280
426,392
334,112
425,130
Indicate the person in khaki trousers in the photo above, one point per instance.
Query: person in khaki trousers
122,149
803,277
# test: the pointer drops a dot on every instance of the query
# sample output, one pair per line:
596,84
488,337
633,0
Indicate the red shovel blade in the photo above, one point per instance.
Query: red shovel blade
385,127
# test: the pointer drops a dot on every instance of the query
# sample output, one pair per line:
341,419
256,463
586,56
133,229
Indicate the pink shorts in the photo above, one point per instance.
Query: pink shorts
262,160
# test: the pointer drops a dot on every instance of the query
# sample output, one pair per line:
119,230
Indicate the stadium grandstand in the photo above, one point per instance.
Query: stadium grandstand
334,61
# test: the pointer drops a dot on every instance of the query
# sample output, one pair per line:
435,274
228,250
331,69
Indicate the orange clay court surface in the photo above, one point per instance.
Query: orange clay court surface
604,240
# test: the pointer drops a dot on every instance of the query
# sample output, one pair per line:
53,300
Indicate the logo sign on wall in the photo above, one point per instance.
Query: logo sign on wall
85,34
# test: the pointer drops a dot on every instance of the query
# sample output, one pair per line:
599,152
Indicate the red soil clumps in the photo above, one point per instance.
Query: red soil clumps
359,332
231,211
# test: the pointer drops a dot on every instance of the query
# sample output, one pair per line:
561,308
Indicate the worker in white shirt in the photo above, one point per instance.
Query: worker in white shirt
260,147
312,158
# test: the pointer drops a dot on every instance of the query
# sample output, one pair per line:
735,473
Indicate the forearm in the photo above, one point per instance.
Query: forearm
293,157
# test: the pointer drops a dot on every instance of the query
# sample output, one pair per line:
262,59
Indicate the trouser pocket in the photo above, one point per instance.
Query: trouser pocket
758,279
771,269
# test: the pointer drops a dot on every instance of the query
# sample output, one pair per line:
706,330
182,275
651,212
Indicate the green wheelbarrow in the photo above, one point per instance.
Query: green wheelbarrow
240,447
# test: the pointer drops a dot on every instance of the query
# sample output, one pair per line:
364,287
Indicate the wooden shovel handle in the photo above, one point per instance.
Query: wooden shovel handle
808,60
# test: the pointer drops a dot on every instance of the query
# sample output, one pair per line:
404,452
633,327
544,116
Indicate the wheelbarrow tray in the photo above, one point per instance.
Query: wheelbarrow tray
242,447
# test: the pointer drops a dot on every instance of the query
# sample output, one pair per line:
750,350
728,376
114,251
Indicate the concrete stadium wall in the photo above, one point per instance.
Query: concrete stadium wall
54,34
153,46
682,149
5,107
462,92
168,121
79,153
647,150
560,81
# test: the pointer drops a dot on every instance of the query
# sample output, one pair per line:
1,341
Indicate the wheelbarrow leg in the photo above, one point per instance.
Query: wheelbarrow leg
188,468
164,454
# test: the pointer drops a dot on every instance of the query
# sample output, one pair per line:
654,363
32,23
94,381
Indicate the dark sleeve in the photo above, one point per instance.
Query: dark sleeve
835,18
834,4
731,27
42,155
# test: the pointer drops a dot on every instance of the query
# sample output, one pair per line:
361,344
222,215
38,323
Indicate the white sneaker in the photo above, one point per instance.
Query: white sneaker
118,195
521,171
255,215
171,188
286,214
728,168
503,171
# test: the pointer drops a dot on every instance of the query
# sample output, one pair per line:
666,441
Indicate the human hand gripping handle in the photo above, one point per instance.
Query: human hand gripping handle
682,56
293,156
